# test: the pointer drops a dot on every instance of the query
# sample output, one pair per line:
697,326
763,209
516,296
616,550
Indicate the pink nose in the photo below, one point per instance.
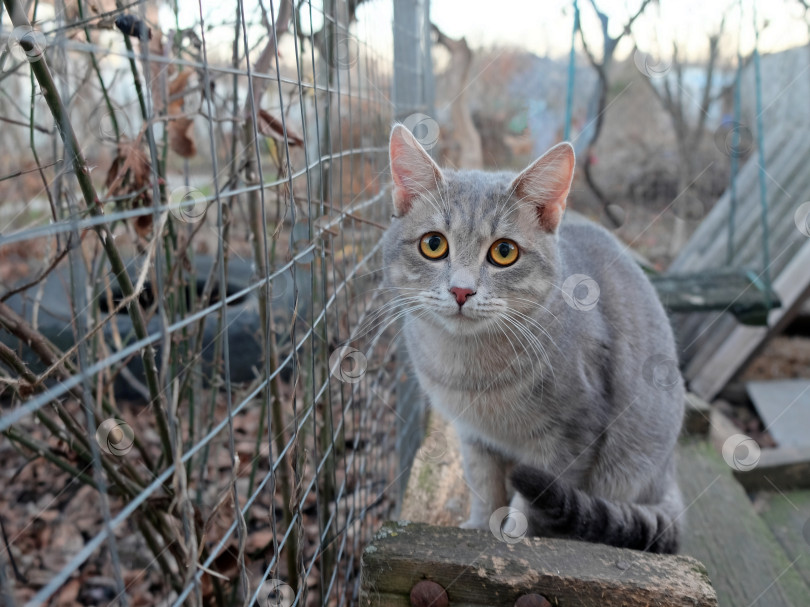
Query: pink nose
461,294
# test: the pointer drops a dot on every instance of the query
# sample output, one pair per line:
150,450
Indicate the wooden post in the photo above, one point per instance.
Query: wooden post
474,568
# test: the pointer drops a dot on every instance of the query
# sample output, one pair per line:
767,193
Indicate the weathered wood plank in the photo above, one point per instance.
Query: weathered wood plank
437,492
780,469
697,415
722,428
477,569
722,529
707,377
704,248
784,407
726,290
745,562
702,334
788,516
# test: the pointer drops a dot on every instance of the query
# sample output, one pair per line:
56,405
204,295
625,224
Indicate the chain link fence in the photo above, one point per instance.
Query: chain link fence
202,398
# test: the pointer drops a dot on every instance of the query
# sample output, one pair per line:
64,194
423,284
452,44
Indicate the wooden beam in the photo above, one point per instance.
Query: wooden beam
697,416
783,406
781,469
793,287
788,517
745,562
437,492
725,290
700,335
474,568
707,246
721,429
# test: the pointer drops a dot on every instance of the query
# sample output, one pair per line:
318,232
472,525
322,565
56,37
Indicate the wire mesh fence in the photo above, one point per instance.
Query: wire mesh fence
198,380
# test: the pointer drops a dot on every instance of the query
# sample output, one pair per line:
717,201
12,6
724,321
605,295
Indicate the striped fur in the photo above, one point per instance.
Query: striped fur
556,508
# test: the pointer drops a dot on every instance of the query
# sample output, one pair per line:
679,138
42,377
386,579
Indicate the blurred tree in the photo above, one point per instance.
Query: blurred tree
466,143
689,132
597,115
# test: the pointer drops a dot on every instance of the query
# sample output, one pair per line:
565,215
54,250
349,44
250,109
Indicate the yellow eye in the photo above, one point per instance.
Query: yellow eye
433,245
503,252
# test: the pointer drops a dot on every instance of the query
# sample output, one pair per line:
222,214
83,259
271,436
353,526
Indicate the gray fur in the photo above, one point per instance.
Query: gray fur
530,379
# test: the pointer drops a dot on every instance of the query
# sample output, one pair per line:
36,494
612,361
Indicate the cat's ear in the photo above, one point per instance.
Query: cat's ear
546,183
412,169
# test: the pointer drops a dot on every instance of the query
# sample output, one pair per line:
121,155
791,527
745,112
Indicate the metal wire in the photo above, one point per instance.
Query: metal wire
247,195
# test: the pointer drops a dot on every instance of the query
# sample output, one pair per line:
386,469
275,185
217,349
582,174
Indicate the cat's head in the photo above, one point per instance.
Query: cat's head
466,246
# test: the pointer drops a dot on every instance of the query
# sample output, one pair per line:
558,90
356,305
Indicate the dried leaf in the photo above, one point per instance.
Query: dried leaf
179,82
130,171
160,71
143,225
258,540
270,126
176,92
181,138
69,593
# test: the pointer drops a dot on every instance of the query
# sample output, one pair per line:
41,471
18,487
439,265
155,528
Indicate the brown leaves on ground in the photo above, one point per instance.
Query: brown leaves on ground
49,516
18,260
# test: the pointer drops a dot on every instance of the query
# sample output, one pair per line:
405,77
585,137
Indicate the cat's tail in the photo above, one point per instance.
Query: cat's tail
559,509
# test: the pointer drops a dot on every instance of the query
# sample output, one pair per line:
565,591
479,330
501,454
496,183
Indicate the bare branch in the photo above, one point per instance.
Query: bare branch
714,44
458,47
608,48
591,58
44,349
41,129
611,43
264,62
725,90
466,150
44,273
633,19
319,38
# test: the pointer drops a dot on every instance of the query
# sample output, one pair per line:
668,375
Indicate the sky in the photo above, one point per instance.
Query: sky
544,26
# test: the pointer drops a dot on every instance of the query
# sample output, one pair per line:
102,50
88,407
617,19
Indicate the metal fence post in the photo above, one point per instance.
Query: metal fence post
413,93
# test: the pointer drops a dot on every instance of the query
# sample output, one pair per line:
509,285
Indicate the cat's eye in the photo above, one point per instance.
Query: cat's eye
433,245
503,252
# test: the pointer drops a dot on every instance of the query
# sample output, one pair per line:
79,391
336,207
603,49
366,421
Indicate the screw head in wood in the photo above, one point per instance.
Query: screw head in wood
532,600
428,594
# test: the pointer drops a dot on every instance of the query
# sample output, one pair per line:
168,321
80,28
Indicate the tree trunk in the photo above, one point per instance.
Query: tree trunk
466,140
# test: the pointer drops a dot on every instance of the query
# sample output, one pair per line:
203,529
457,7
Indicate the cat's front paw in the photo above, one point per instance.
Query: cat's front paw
475,523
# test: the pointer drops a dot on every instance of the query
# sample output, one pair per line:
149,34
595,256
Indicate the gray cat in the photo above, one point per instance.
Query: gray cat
544,345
